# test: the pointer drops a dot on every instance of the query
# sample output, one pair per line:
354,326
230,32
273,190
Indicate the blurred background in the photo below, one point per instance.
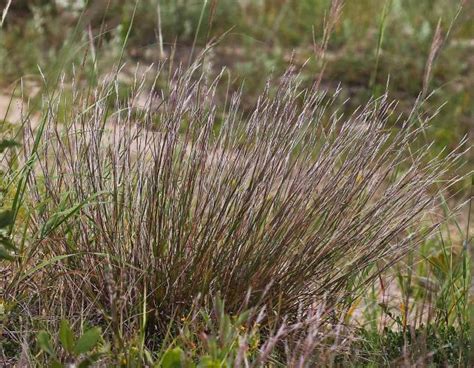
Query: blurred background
365,46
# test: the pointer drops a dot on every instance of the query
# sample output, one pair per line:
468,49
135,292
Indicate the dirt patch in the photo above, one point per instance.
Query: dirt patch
14,110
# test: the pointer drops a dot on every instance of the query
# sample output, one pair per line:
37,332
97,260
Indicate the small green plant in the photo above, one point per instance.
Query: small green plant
436,345
81,352
173,358
216,339
7,248
6,245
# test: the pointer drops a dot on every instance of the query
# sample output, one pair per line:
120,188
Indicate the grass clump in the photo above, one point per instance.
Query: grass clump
131,208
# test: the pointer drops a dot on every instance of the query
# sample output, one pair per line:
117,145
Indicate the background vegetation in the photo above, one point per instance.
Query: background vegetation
372,43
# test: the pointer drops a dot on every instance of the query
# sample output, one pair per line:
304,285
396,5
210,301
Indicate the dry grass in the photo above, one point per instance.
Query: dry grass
132,207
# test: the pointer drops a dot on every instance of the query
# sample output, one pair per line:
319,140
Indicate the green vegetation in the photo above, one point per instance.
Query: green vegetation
158,210
371,42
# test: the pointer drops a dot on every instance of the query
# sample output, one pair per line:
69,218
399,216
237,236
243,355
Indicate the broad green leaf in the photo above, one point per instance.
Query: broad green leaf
7,143
6,253
207,362
7,243
85,363
6,218
87,341
172,358
6,248
243,317
44,342
56,364
66,336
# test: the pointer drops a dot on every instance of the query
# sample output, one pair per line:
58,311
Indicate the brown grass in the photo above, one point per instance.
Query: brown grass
155,205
